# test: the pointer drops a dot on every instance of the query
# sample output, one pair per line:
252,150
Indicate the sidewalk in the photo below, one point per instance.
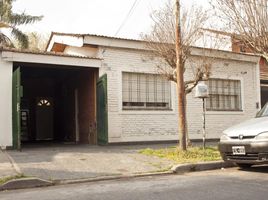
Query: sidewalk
46,165
68,162
6,167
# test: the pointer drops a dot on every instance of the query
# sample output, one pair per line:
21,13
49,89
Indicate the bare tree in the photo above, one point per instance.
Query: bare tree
248,20
163,39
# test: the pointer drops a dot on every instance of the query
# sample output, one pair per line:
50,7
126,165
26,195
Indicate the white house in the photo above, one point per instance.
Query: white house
133,102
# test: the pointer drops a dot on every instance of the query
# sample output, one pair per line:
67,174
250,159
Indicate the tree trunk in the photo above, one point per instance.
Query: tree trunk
180,82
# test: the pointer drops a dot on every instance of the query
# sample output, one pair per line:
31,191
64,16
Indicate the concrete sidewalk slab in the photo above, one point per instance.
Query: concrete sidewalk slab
83,161
67,164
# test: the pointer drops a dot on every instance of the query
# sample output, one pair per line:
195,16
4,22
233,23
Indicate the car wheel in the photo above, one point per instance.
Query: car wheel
243,165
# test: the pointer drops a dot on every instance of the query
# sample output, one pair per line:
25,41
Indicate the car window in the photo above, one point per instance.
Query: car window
263,112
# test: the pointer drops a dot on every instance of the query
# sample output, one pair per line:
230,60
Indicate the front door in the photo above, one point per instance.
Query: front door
44,118
16,113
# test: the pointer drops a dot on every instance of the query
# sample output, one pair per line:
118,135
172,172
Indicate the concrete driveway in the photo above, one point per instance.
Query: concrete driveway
65,162
6,167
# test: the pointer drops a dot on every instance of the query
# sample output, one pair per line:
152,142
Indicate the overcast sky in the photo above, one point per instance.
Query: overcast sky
102,17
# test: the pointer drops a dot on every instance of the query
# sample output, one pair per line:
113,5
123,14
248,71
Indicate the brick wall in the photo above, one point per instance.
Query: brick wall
126,125
217,121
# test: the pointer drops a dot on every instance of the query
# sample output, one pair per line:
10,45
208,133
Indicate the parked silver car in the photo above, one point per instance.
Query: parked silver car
246,144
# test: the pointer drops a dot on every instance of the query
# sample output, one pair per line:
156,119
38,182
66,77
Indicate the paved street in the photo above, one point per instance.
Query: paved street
218,184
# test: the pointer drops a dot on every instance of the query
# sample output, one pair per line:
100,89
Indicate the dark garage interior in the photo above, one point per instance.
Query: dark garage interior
58,103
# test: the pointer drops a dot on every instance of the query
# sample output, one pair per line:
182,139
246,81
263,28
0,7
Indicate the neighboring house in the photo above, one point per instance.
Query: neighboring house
239,47
214,39
98,89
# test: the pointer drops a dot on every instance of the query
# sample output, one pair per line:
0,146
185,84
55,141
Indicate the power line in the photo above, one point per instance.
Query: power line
133,7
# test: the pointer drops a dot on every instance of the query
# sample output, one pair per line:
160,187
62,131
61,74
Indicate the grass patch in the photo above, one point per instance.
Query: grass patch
192,155
8,178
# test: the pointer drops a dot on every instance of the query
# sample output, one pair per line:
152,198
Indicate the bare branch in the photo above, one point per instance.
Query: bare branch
201,74
248,19
161,40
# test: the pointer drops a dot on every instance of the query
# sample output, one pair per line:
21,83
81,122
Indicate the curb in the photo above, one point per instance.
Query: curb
177,169
33,182
107,178
203,166
23,183
182,168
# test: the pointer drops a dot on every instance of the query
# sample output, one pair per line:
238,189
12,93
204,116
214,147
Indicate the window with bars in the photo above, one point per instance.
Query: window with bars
145,91
224,95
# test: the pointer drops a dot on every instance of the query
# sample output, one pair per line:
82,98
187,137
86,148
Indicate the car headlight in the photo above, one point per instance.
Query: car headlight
262,136
224,138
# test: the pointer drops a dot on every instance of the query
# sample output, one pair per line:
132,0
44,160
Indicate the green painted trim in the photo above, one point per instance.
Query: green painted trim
16,97
102,111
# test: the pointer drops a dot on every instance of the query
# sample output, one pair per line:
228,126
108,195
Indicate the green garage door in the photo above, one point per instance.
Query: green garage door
16,116
102,110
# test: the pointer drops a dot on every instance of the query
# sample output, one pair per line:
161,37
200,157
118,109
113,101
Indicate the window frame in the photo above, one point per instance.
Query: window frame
239,96
146,106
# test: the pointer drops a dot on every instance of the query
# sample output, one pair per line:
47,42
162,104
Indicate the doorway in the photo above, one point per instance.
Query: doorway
57,104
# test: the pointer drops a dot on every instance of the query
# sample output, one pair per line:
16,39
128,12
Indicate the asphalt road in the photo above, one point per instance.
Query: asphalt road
230,184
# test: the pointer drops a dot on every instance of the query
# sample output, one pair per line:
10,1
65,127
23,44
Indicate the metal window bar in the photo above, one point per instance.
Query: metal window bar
153,97
210,99
217,97
229,102
138,89
155,88
147,88
130,87
220,97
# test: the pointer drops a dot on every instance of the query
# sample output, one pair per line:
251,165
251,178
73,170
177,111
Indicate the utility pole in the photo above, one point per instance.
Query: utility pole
180,81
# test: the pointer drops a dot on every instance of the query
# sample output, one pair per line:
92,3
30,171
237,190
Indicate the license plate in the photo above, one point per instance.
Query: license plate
239,150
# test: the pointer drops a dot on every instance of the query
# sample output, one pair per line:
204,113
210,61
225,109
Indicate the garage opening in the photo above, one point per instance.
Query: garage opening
58,103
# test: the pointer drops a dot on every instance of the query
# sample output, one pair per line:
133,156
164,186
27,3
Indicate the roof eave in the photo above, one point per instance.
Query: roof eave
49,58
